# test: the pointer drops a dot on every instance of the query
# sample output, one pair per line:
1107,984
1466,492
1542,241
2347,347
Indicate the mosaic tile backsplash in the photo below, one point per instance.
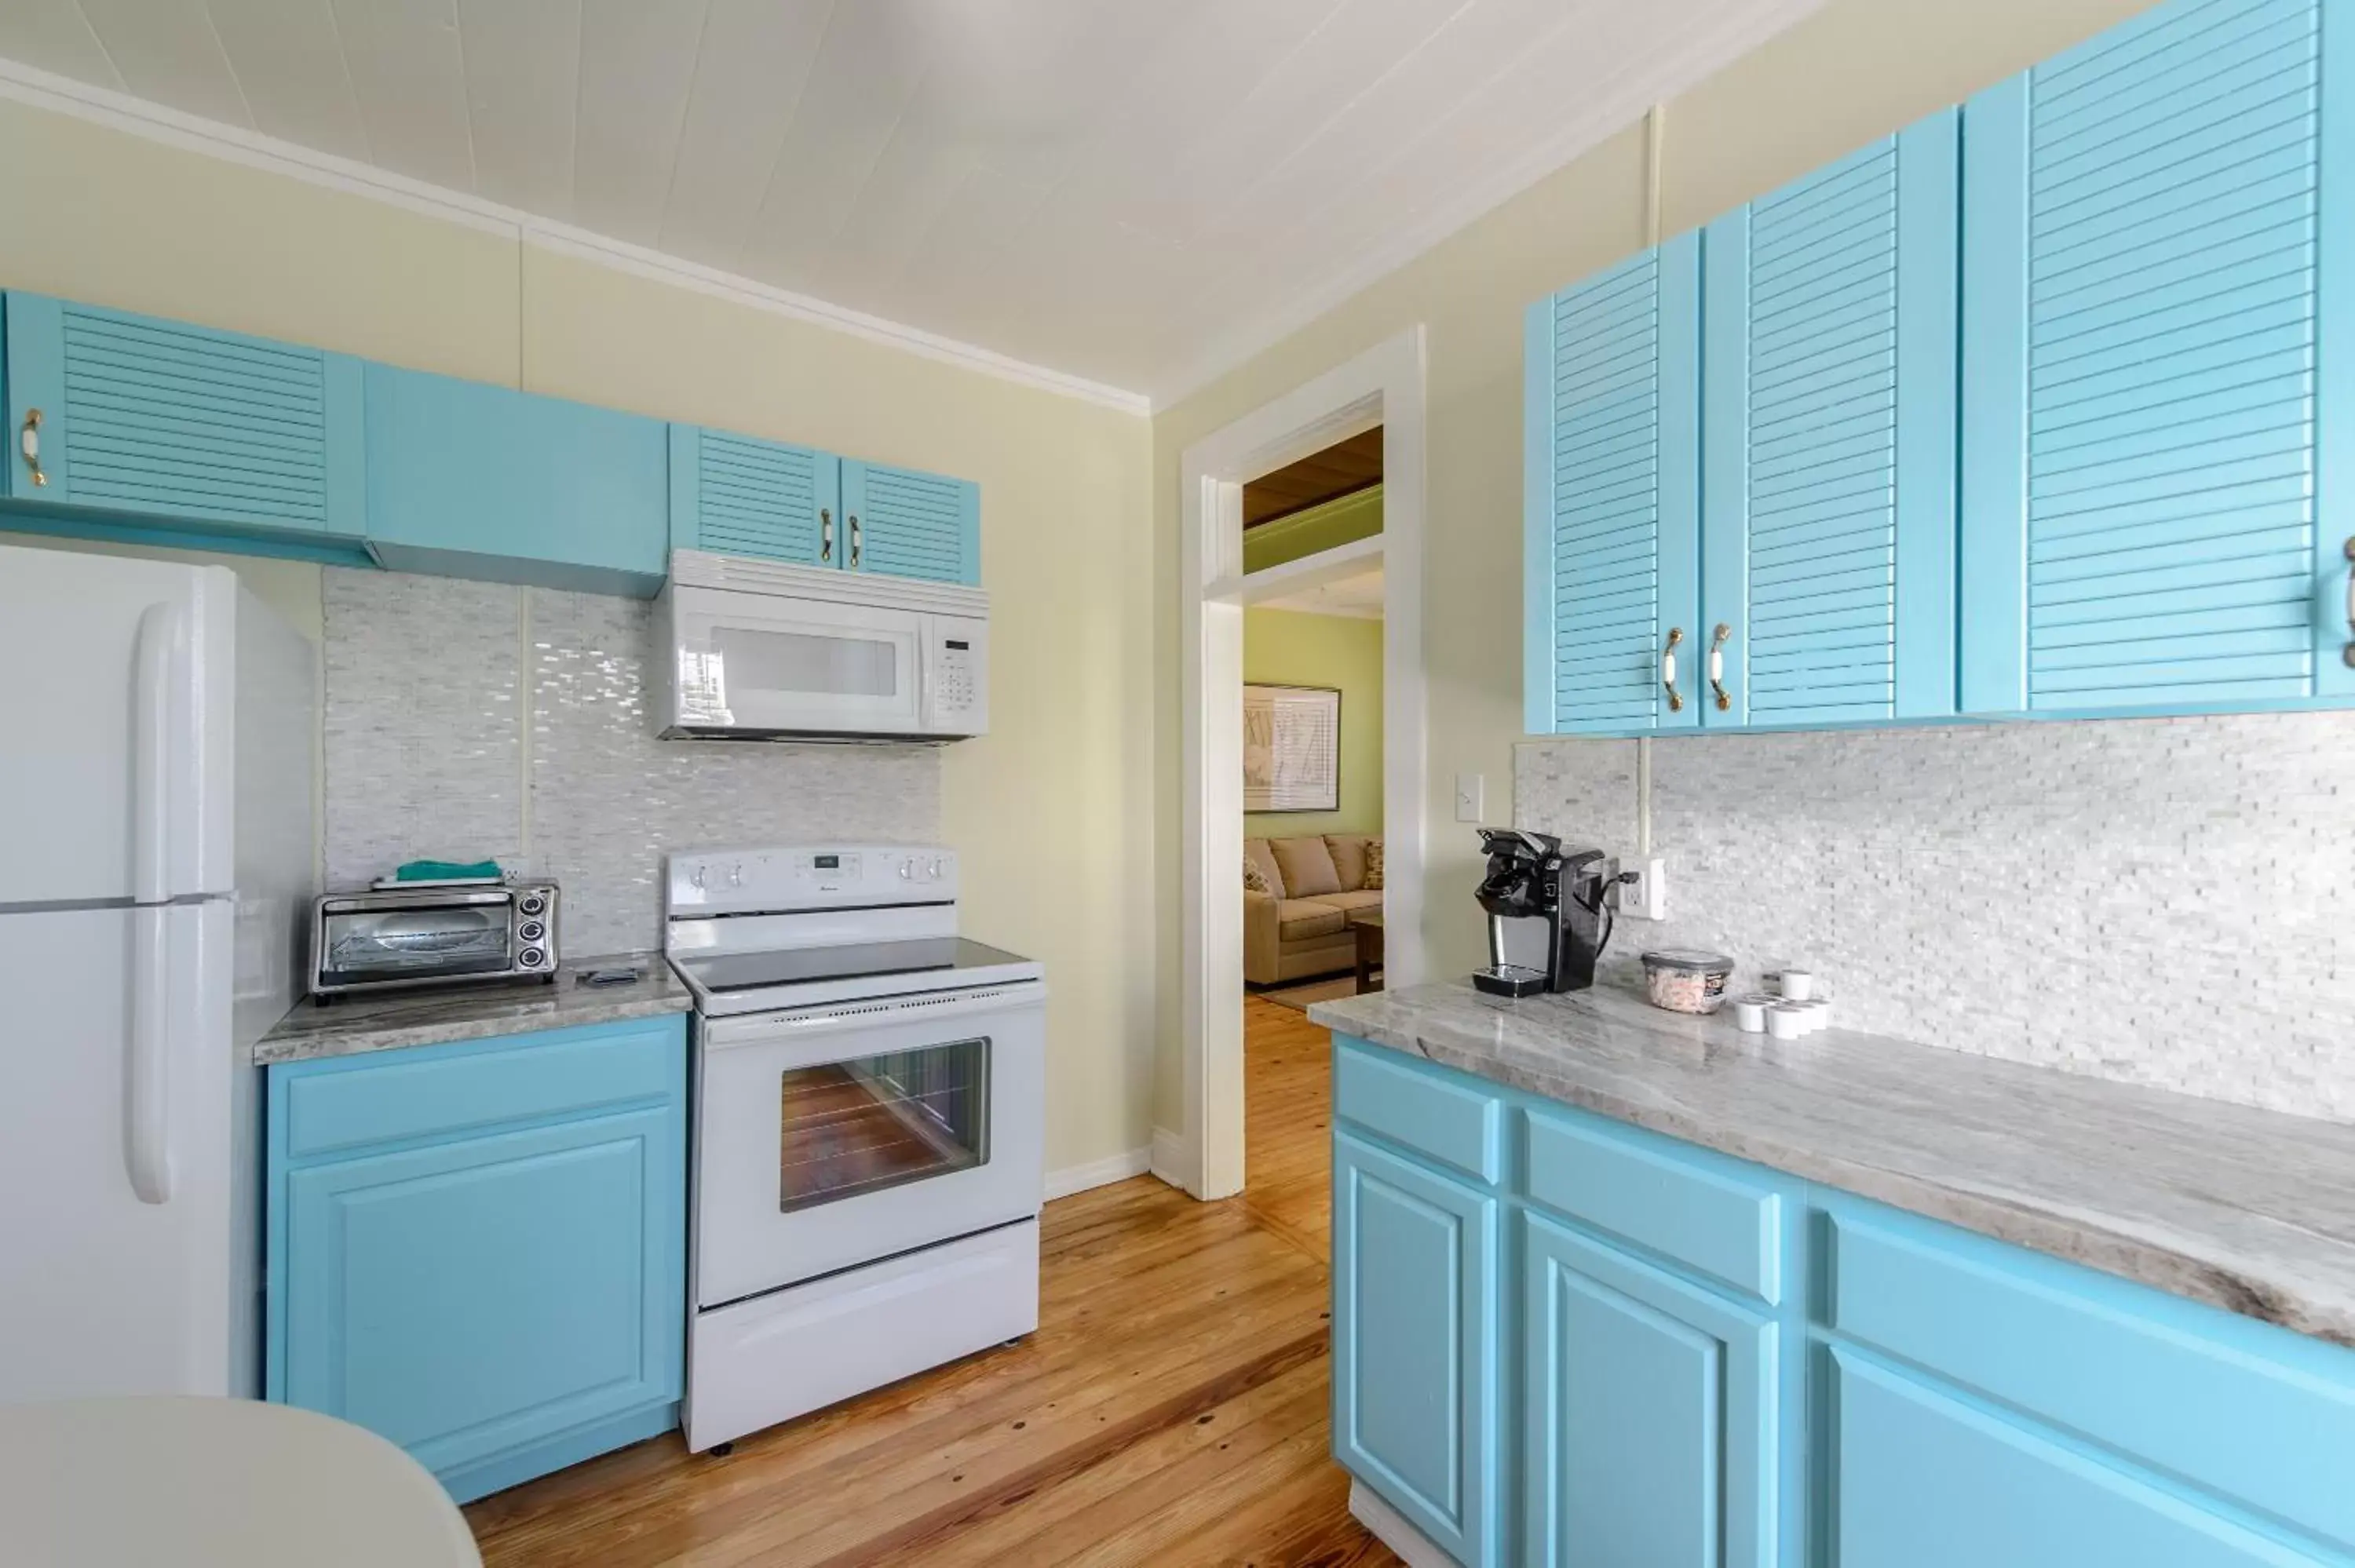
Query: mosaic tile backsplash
470,720
2165,901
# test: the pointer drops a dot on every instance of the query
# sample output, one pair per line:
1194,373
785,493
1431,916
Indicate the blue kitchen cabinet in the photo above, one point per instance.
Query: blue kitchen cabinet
1415,1344
466,479
127,426
1652,1427
1828,531
904,523
1612,499
2159,345
477,1250
1702,1361
738,496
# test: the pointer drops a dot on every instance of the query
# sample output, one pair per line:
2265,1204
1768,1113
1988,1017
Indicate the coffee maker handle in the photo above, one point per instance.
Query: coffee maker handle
1668,669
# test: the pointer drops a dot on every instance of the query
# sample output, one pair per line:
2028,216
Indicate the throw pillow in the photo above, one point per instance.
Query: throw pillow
1306,867
1373,865
1254,879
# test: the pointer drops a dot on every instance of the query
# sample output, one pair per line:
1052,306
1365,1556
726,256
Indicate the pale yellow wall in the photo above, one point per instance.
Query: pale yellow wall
1854,70
1052,812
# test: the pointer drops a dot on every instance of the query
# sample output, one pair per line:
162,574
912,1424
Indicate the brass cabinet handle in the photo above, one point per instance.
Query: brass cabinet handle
1668,669
826,532
30,442
856,543
1716,665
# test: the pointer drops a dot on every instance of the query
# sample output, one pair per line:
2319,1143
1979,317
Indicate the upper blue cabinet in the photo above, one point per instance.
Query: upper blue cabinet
2156,274
1611,491
1829,470
738,496
471,480
129,425
2037,407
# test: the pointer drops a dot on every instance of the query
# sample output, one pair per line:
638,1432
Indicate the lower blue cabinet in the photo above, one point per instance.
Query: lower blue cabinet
1598,1347
477,1250
1649,1410
1415,1344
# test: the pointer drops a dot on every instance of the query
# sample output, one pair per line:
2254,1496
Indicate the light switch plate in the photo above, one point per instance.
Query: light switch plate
1470,788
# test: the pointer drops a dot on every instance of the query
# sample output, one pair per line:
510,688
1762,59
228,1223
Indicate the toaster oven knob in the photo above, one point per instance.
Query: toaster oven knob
531,930
531,904
534,959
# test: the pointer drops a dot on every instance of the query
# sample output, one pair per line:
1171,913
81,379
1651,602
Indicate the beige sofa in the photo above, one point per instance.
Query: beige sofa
1301,928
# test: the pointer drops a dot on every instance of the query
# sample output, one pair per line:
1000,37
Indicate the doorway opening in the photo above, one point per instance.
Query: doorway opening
1314,556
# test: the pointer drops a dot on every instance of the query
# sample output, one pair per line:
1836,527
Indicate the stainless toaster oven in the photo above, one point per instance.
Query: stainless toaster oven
433,935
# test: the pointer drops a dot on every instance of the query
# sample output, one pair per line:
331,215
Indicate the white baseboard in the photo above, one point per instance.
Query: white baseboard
1102,1173
1390,1527
1172,1161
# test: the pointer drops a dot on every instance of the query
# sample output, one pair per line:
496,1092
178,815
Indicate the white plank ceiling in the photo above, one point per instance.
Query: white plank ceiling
1137,191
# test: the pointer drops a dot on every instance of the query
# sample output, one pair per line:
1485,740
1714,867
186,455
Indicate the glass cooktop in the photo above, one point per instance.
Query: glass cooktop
724,972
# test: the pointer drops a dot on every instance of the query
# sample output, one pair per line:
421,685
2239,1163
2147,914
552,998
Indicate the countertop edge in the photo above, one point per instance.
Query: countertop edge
444,1016
2214,1277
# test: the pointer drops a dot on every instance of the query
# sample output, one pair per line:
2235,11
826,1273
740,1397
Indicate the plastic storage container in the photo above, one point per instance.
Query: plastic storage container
1681,980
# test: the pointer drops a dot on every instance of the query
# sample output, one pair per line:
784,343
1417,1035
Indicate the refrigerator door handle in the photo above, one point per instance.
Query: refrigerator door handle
155,660
146,1068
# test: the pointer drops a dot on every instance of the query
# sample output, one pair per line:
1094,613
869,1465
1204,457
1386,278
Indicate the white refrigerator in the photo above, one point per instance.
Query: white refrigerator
155,864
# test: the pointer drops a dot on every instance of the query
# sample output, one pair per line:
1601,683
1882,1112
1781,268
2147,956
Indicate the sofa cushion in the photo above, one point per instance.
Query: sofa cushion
1257,851
1297,919
1349,902
1307,867
1349,852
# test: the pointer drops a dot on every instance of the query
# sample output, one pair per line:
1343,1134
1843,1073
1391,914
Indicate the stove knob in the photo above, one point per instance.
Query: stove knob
736,876
907,870
936,871
699,879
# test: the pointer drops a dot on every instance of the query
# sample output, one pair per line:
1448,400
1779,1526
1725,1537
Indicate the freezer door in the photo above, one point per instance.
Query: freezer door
118,771
126,1268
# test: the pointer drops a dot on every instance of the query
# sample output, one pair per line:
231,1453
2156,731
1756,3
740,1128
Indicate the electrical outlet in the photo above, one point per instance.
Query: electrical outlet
1469,789
1647,897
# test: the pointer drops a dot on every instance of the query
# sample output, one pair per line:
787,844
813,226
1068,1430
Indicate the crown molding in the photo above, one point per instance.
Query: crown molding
1749,26
120,111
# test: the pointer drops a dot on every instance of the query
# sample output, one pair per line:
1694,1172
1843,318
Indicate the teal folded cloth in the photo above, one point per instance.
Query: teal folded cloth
445,870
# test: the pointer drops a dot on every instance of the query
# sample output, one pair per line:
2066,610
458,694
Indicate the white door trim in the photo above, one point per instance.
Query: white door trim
1384,385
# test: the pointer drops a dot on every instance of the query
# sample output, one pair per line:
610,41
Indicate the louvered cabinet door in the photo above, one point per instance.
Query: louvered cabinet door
1828,562
1611,498
133,417
903,522
735,496
2158,337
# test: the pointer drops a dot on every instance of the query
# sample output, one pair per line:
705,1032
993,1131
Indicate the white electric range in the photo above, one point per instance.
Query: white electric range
870,1126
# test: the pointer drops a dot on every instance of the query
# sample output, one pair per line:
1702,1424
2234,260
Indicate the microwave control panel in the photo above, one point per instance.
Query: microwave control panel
959,701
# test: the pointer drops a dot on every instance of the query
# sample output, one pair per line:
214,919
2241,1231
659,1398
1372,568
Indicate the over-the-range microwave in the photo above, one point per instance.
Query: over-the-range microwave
766,650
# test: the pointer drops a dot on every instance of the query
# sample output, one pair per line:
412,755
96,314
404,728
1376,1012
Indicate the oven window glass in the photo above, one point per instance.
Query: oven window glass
409,944
848,1128
807,664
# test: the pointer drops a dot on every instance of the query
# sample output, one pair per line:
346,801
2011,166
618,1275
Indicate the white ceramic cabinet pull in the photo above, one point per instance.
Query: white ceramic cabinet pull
1668,669
1716,665
825,533
30,443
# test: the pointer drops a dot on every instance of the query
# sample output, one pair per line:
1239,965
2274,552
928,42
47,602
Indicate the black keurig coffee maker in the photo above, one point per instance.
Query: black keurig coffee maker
1548,913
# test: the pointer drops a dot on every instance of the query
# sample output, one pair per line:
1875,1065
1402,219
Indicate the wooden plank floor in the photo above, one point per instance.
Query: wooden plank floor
1172,1408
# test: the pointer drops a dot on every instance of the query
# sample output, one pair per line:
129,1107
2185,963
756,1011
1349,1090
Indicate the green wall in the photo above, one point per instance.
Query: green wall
1286,648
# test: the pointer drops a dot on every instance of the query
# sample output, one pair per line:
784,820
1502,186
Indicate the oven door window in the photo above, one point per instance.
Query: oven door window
413,944
872,1122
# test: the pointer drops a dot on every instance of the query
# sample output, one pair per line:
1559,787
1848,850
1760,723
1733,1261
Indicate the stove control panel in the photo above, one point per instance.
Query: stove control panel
785,878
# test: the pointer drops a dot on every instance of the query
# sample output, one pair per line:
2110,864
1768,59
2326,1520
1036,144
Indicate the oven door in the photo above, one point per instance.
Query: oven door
830,1137
763,661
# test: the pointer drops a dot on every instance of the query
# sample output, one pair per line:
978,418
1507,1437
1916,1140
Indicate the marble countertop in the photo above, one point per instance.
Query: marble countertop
390,1020
2249,1209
